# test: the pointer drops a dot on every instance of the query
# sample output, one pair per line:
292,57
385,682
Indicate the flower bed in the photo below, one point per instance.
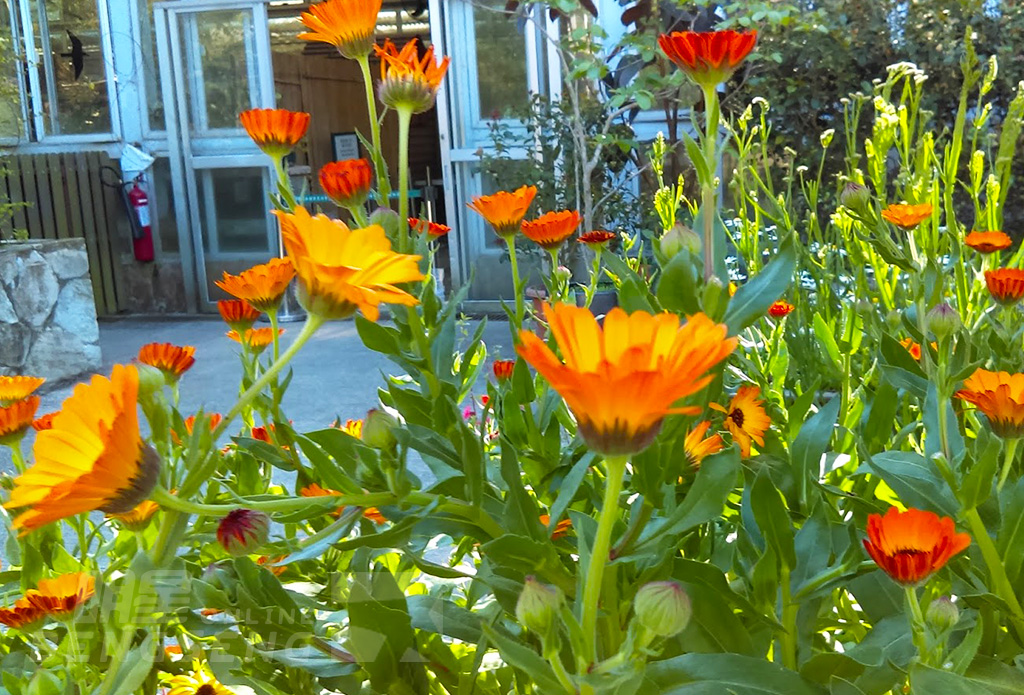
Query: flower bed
762,487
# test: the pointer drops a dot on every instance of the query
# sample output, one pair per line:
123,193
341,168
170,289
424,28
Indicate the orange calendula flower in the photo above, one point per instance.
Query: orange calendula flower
92,458
348,182
22,616
1000,396
622,379
172,360
238,314
44,422
551,229
913,545
353,428
61,596
505,210
407,81
262,433
314,490
780,308
262,286
698,448
343,270
562,528
255,339
271,564
1006,285
596,240
138,518
503,370
16,418
349,25
907,216
212,419
275,131
432,229
16,388
988,242
745,418
708,58
913,348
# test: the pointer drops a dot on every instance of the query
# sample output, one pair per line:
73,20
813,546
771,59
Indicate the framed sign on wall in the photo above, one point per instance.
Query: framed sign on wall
345,146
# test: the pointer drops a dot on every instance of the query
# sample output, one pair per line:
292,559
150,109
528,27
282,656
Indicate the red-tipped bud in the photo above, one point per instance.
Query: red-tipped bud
503,370
243,531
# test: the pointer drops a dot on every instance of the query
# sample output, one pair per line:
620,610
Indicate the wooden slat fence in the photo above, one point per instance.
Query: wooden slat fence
66,198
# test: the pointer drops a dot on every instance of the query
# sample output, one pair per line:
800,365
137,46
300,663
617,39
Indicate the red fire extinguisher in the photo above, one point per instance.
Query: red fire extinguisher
142,231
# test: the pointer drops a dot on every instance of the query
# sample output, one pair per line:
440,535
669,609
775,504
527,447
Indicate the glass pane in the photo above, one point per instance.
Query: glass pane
500,61
233,217
217,53
163,198
76,99
10,97
150,71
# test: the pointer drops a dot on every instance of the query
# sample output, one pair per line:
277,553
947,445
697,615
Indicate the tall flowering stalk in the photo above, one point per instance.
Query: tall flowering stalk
709,59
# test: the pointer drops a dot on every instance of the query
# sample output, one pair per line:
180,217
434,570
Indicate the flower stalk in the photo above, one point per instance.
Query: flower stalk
383,179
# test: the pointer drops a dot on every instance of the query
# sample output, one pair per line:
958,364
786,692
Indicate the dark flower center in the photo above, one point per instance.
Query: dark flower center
206,689
737,416
910,551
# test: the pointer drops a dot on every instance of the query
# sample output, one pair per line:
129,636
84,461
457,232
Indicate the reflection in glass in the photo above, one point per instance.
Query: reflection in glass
150,70
216,52
162,198
75,94
500,59
10,98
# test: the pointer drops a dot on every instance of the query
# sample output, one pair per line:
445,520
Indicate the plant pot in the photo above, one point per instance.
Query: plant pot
602,302
537,296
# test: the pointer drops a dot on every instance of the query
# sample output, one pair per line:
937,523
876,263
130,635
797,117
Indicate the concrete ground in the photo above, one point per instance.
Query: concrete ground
335,374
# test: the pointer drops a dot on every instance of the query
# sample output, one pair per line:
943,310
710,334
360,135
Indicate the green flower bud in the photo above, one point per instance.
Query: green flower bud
243,531
855,196
151,380
538,605
893,320
942,614
943,320
563,275
678,238
663,608
378,429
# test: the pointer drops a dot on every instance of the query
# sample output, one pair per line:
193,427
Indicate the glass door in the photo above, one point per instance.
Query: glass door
498,61
215,62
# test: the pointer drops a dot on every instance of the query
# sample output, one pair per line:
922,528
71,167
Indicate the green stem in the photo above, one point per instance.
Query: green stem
595,273
790,609
358,216
1011,450
17,457
616,466
637,525
516,283
707,204
917,624
289,504
404,119
556,289
272,315
383,180
284,186
550,650
1003,589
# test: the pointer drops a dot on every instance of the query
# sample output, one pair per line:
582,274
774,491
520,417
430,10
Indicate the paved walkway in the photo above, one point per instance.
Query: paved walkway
335,375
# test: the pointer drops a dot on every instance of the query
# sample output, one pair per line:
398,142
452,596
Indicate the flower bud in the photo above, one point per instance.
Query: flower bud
893,320
663,608
538,605
386,218
855,196
563,275
942,614
243,531
503,370
943,320
378,429
678,238
151,380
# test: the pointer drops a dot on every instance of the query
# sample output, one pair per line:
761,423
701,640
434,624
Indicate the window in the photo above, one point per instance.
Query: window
60,48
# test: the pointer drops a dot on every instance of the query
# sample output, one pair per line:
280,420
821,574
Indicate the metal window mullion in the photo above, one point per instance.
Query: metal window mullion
35,89
19,72
192,68
109,71
51,78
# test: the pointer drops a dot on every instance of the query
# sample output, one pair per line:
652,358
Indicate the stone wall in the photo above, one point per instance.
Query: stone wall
47,311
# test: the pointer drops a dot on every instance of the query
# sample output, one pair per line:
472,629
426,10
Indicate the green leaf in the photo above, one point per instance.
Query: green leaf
964,654
912,478
568,487
977,483
310,659
933,443
996,677
705,500
725,673
440,615
810,444
525,659
753,298
772,518
925,680
378,337
827,341
679,285
316,545
1010,541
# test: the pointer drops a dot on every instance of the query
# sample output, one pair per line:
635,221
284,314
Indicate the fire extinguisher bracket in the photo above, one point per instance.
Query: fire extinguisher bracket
136,204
